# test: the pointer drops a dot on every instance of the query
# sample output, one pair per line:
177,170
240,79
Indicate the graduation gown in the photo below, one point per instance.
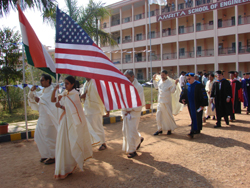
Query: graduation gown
195,96
236,96
220,93
246,91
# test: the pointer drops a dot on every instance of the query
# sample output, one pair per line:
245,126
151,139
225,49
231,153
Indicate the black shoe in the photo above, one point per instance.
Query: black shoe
131,155
49,161
169,133
208,117
140,143
217,126
190,135
214,118
43,159
157,132
196,132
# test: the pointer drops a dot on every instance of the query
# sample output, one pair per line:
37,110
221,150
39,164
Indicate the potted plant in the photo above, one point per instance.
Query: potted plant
148,105
3,128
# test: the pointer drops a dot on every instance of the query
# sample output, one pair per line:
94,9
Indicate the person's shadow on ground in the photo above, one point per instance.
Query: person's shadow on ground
232,126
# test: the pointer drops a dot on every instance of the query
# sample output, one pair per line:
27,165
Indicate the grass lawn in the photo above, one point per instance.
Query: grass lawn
18,115
147,94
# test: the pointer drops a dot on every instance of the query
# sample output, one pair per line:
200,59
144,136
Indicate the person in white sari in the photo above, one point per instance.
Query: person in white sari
131,117
94,110
168,103
208,88
73,144
46,129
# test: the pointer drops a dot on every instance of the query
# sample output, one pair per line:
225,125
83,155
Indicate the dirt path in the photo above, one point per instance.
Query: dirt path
218,158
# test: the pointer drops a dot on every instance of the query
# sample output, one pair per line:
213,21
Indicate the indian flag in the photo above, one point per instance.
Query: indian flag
36,54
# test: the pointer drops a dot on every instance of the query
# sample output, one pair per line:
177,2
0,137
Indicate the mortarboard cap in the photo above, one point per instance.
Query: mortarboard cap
247,73
231,72
190,74
183,72
244,74
219,72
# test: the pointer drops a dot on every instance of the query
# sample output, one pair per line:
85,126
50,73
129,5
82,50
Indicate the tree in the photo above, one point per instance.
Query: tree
11,70
6,5
86,18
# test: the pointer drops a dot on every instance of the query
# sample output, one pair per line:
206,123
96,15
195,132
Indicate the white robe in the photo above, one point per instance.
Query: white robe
131,136
94,111
46,129
208,88
168,104
73,145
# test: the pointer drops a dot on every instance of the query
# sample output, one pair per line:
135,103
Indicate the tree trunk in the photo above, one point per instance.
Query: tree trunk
8,97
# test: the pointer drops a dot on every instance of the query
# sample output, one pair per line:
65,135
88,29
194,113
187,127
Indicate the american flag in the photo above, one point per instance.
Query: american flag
76,54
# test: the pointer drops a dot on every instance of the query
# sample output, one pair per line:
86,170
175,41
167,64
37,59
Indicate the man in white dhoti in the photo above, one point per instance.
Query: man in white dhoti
94,110
131,117
46,132
166,101
182,79
209,85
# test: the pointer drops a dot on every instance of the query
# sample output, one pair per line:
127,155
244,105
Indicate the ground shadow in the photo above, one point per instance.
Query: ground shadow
232,127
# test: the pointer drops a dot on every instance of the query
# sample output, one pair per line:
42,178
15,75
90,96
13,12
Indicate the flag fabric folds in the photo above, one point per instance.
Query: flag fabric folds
36,54
76,54
158,2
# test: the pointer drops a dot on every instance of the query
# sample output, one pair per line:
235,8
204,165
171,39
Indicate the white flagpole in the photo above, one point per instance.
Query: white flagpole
150,56
24,93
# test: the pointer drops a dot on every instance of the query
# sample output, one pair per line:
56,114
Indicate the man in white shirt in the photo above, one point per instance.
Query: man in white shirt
46,129
131,117
164,115
182,79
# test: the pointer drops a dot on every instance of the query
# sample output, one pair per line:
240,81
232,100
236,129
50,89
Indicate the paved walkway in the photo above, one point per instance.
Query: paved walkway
20,126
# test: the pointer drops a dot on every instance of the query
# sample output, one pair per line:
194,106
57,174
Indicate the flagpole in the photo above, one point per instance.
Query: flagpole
150,56
24,92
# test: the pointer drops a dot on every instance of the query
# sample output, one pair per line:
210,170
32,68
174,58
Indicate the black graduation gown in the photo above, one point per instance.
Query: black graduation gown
195,96
236,96
222,107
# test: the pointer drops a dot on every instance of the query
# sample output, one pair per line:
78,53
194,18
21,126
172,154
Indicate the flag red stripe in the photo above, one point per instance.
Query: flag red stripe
81,52
128,95
88,64
99,89
109,95
117,96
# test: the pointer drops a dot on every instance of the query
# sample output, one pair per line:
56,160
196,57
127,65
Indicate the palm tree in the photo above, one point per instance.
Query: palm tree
44,5
87,18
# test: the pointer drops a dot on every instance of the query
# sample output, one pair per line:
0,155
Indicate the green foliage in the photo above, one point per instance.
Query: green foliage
86,18
6,5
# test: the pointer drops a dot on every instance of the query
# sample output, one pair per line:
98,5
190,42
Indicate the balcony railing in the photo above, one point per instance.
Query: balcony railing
183,30
117,61
127,60
168,32
202,2
126,20
204,27
140,37
186,55
154,35
126,40
244,20
226,51
226,23
169,56
154,57
205,53
244,50
167,9
139,16
116,22
105,25
140,59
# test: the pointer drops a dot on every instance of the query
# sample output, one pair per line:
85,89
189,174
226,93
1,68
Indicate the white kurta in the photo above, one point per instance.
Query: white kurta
94,111
73,145
46,129
131,136
209,86
167,99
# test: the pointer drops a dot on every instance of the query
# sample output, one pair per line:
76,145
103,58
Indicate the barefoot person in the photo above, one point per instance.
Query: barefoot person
195,96
94,110
164,115
45,134
73,144
131,117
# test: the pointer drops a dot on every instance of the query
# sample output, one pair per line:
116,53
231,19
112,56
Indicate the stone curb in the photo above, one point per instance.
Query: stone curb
22,135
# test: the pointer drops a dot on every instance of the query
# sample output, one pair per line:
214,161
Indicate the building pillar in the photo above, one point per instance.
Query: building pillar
236,39
216,44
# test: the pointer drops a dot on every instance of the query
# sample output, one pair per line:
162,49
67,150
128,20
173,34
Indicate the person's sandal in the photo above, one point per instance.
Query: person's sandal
131,155
102,147
43,159
49,161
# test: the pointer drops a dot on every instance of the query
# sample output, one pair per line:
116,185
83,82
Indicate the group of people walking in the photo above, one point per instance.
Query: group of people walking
66,131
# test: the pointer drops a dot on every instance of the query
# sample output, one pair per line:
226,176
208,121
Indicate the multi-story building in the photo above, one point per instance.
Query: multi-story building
186,35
